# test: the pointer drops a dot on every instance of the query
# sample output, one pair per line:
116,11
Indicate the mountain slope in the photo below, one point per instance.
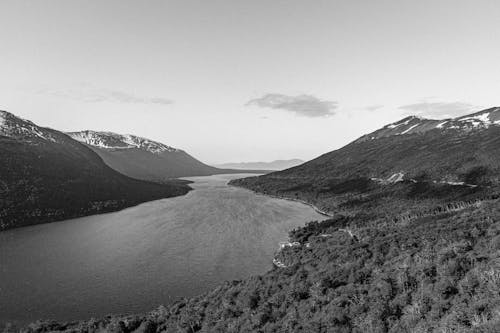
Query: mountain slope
47,176
454,151
274,165
142,158
442,149
448,155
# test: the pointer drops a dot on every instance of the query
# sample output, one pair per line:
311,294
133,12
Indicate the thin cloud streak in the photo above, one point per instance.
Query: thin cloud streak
97,95
373,107
302,105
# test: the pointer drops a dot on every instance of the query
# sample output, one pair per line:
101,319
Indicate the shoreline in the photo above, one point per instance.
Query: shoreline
316,209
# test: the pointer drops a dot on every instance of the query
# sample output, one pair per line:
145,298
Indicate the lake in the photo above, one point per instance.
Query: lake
133,260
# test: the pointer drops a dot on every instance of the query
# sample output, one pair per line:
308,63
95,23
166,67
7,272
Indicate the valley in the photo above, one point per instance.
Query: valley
145,159
294,166
411,244
47,175
162,250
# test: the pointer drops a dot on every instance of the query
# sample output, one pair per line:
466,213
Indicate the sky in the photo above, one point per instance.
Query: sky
256,80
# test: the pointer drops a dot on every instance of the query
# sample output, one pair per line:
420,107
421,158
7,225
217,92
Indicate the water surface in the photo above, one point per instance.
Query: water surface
133,260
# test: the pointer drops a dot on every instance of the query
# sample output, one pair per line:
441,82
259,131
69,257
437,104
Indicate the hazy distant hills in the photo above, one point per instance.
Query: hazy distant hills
46,176
274,165
143,158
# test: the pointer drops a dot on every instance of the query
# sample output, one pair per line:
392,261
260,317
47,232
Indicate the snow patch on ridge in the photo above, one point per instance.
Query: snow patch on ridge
440,125
2,120
13,126
109,140
409,129
478,120
418,125
401,122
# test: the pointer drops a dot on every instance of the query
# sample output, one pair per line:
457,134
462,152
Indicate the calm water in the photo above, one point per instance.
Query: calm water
136,259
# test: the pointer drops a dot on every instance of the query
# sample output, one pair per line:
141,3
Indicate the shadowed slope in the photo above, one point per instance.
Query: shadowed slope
47,176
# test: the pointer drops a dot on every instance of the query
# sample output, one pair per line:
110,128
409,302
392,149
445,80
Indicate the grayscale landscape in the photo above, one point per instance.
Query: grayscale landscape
324,166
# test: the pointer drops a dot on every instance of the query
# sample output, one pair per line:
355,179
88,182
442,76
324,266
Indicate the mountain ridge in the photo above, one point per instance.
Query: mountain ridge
47,176
415,124
16,127
111,140
146,159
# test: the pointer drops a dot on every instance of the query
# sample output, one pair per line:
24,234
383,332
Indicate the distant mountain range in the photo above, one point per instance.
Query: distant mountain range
47,176
274,165
146,159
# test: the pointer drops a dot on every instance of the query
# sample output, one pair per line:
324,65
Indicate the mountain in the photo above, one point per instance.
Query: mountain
444,150
459,151
413,124
274,165
47,176
142,158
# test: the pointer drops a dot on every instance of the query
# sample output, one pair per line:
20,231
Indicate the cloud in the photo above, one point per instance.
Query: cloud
439,109
303,105
373,107
96,95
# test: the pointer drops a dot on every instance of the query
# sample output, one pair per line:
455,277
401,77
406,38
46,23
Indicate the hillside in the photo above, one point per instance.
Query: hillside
145,159
47,176
465,152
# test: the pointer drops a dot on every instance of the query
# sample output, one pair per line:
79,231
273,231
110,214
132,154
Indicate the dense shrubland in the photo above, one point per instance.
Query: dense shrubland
358,196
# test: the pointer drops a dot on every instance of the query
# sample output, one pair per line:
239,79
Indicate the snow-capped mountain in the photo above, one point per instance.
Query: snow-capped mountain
143,158
413,124
110,140
47,176
15,127
462,150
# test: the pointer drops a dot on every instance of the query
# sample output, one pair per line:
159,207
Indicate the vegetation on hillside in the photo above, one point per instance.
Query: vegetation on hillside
441,156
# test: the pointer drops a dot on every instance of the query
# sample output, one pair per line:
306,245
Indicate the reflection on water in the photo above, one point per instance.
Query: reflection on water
136,259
